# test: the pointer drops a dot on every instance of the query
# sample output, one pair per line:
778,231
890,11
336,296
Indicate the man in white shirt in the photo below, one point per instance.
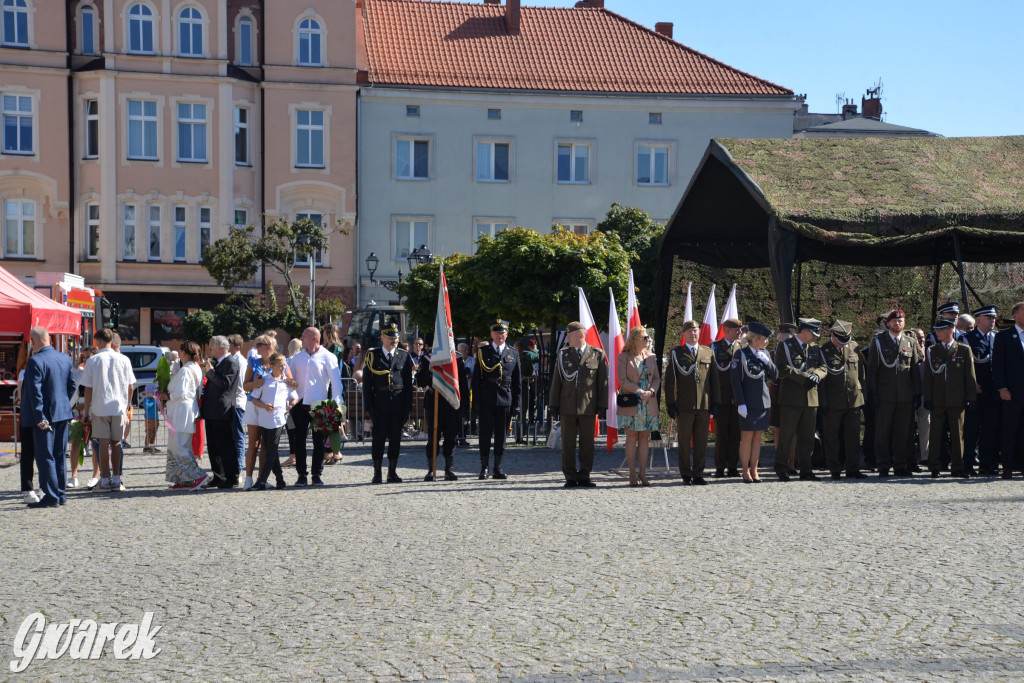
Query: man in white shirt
108,380
238,426
316,371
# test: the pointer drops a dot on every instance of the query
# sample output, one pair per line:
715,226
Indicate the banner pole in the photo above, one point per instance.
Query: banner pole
434,437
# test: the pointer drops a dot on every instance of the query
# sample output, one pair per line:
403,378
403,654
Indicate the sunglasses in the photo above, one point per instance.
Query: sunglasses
262,344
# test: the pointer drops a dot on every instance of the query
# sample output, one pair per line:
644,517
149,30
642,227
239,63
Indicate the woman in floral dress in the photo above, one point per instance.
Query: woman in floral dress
638,374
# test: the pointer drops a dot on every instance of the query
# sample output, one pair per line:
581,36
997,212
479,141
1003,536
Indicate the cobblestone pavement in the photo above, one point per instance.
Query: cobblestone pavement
907,579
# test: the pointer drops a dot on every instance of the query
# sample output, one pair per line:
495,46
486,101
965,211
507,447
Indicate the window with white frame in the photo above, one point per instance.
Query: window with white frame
88,28
191,132
205,229
310,35
318,220
245,42
242,136
410,233
579,226
128,230
92,129
153,253
18,118
142,122
180,232
20,228
140,29
92,230
309,138
190,32
493,161
652,164
573,162
490,227
241,218
412,159
15,23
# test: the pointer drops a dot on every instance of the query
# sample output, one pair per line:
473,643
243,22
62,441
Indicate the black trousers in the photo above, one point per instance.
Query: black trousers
387,428
223,454
449,423
1012,433
271,438
28,457
981,431
493,427
300,416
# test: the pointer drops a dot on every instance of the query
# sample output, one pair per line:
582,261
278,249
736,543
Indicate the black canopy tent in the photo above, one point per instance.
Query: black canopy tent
854,201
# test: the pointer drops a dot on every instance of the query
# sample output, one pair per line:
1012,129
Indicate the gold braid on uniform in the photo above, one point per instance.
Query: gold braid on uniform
496,366
368,364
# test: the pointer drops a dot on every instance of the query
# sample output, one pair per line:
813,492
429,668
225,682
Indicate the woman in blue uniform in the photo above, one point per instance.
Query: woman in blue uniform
752,368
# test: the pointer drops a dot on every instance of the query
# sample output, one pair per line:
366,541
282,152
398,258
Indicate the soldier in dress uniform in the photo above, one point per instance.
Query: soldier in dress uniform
893,381
947,311
387,399
801,367
949,386
981,420
841,400
497,385
449,419
727,424
692,392
579,392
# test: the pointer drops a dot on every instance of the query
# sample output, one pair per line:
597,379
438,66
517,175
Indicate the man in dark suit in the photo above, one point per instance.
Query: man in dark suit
1008,373
47,389
387,399
981,421
218,411
497,385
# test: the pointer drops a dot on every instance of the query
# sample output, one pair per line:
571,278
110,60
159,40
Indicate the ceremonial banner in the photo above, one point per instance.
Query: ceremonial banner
632,311
731,310
592,337
709,329
443,366
616,344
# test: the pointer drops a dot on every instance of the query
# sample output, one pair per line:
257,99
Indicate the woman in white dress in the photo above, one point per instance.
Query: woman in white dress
182,399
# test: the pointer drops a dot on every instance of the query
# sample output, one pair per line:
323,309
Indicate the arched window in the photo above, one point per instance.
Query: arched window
88,26
15,23
190,32
309,42
245,51
140,29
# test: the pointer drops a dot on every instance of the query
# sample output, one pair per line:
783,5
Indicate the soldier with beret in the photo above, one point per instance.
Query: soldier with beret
692,394
841,400
949,386
801,367
893,382
752,370
497,385
727,426
981,419
387,398
579,392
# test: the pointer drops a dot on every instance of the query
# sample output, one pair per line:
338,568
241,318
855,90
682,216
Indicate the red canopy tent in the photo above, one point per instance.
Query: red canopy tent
22,308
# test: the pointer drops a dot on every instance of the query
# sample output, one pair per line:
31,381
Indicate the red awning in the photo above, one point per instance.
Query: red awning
22,308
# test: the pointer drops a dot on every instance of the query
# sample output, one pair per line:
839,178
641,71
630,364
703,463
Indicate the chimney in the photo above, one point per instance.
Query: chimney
849,111
590,4
664,28
512,17
492,2
871,106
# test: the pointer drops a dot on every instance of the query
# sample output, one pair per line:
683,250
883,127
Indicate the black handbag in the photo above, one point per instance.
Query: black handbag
627,400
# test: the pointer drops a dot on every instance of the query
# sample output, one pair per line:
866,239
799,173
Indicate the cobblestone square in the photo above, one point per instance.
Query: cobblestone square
522,579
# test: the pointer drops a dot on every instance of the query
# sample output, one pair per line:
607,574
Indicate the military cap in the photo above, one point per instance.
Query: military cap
1004,323
732,322
895,313
813,325
943,323
989,310
574,326
499,325
787,327
389,330
759,328
842,331
691,325
949,308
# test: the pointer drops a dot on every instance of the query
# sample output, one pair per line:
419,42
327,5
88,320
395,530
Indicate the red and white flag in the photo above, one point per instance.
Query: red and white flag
709,329
443,366
688,311
592,337
731,310
615,344
632,310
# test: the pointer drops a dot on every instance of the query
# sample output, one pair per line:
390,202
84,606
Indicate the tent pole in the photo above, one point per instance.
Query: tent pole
935,289
799,288
960,268
781,257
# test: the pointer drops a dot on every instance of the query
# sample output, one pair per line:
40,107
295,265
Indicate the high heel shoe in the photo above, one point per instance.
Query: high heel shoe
645,482
747,481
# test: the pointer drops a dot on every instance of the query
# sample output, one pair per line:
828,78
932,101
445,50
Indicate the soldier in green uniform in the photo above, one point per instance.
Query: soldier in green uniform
950,386
692,394
497,384
579,392
841,400
801,367
727,423
893,381
387,398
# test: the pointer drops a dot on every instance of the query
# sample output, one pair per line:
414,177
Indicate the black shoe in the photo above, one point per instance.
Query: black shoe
317,481
882,474
986,472
916,469
462,442
970,472
483,473
450,476
836,476
700,481
376,478
43,504
281,485
301,481
936,474
570,484
586,484
719,474
498,474
259,486
808,476
856,474
962,475
734,473
393,478
429,476
792,472
783,476
687,481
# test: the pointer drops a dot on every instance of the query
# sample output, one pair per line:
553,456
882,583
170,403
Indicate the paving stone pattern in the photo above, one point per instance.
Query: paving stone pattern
523,580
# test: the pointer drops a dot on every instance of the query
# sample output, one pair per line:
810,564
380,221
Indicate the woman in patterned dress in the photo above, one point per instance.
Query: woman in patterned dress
638,374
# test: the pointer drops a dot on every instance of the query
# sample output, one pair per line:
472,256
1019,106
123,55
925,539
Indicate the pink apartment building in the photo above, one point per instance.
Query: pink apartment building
137,132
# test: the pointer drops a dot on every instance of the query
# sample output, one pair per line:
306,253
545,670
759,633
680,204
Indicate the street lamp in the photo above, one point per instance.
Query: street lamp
372,261
419,255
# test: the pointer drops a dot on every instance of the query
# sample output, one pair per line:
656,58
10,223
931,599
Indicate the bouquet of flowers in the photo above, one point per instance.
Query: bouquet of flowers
78,433
327,417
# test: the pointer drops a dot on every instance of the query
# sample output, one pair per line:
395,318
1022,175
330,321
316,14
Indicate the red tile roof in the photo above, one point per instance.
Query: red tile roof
466,45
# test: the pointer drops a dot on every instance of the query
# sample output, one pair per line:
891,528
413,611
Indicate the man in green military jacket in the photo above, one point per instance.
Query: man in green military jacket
841,400
950,386
801,367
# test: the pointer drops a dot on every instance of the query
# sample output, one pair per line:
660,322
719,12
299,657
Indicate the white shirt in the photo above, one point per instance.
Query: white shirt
314,374
499,349
1020,334
110,376
240,397
896,340
277,393
691,350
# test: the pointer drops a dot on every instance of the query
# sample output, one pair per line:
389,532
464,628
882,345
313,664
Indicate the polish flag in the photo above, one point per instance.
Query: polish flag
709,329
632,310
731,310
688,311
616,342
592,337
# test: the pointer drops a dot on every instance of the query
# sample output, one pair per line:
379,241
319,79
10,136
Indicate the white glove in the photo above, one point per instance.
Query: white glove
763,355
742,410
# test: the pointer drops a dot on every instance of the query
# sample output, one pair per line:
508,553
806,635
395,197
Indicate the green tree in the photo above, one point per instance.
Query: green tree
639,235
419,291
198,327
